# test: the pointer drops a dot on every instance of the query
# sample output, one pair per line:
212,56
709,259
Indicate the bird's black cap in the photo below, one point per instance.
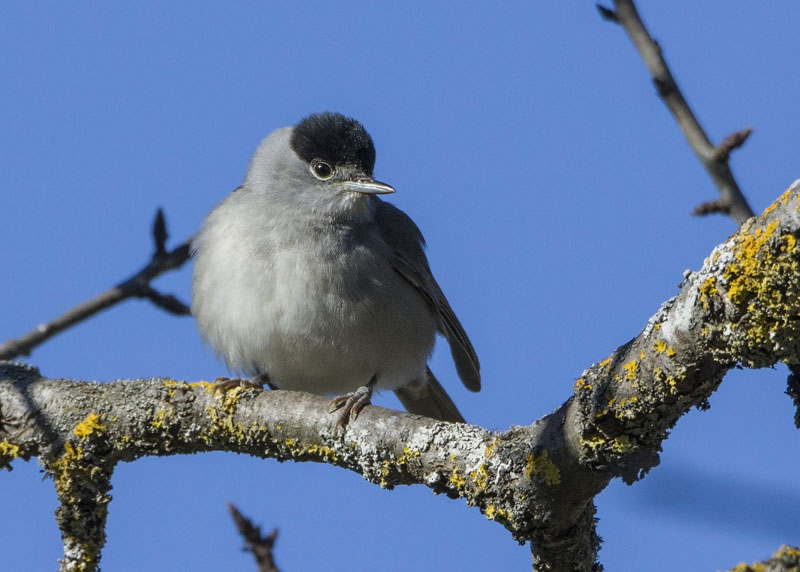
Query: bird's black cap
334,138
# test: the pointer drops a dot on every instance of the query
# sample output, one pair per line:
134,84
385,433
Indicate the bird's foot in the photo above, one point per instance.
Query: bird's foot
227,383
352,403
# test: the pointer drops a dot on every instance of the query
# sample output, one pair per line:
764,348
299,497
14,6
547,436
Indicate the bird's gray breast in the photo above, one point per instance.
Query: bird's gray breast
316,305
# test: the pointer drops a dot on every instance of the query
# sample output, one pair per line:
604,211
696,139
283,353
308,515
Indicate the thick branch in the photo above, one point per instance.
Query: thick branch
787,559
137,286
537,481
714,159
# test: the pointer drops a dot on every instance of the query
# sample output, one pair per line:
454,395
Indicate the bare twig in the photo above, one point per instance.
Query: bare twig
714,159
731,142
160,234
137,286
261,546
607,13
711,207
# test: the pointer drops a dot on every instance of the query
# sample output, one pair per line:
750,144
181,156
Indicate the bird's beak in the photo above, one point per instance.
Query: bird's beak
369,187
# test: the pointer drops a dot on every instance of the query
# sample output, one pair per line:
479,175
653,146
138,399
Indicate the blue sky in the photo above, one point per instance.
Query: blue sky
552,186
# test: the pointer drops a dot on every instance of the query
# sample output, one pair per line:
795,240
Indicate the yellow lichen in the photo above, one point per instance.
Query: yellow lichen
605,362
624,409
325,453
480,477
670,351
158,418
580,383
787,551
742,273
630,369
791,243
787,557
231,397
72,474
8,452
88,426
592,442
621,444
208,387
457,479
762,281
224,425
708,290
408,453
543,467
495,513
660,346
387,465
783,199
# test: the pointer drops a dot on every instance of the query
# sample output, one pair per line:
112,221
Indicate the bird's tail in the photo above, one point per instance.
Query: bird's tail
426,396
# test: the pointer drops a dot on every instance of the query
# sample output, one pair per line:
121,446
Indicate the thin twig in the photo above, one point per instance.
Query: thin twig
710,207
731,142
259,545
137,286
714,159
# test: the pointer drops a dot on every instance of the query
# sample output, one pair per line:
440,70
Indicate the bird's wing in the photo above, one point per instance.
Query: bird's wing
407,244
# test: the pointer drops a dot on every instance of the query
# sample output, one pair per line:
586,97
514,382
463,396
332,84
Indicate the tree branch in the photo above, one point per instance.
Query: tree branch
539,481
714,159
793,391
787,559
259,545
137,286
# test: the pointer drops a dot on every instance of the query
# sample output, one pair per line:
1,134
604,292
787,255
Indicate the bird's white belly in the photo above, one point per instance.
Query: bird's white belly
312,326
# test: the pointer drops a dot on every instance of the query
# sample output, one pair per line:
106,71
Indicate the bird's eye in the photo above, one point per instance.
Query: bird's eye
321,169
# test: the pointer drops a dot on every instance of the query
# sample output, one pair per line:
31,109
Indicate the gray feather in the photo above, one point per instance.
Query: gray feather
427,397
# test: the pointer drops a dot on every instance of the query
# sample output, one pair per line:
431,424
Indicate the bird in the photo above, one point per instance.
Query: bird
306,279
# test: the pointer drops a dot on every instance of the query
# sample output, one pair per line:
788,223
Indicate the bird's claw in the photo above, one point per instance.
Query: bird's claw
351,404
227,383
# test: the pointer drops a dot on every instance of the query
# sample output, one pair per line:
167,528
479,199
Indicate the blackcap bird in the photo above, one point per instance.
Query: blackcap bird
305,279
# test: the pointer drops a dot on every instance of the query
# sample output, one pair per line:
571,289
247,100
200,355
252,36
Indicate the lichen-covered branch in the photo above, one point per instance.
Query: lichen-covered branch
538,481
787,559
715,159
741,308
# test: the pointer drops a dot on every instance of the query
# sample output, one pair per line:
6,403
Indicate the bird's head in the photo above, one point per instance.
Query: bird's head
325,163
